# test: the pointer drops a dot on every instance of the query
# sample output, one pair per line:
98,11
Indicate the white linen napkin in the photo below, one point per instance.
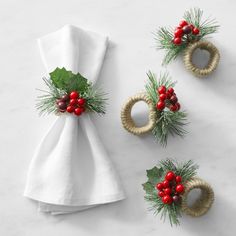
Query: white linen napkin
71,170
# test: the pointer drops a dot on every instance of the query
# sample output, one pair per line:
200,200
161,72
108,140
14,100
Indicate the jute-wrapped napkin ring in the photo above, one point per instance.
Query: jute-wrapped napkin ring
127,120
213,59
203,203
164,118
168,186
187,37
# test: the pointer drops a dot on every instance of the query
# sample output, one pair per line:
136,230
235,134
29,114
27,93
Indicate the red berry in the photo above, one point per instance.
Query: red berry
61,105
160,105
173,108
179,188
81,101
167,199
196,31
178,27
170,175
182,23
170,90
161,89
167,191
166,184
178,33
173,99
161,194
177,41
159,186
73,101
178,106
78,111
192,26
65,98
178,179
176,199
74,95
162,97
187,29
168,95
70,109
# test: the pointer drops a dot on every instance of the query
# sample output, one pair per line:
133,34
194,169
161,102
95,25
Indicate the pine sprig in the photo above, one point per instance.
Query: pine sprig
164,36
168,123
95,100
157,174
46,103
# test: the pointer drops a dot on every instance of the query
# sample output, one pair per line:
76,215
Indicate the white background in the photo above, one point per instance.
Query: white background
129,24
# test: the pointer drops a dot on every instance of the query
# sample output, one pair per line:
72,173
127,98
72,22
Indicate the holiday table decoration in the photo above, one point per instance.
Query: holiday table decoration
71,170
187,37
71,93
168,186
165,115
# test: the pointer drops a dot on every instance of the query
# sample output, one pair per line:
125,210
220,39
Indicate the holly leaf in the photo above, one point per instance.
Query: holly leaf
154,175
148,187
68,81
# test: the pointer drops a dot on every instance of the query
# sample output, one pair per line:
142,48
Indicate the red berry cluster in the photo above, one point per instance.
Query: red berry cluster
184,28
167,98
72,103
171,188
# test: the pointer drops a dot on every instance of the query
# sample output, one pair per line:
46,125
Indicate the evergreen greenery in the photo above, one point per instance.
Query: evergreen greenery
168,122
164,35
62,82
186,170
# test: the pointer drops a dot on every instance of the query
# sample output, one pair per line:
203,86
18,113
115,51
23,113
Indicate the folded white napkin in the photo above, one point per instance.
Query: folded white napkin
70,170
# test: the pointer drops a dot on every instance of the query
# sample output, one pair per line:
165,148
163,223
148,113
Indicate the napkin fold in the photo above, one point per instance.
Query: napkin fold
71,170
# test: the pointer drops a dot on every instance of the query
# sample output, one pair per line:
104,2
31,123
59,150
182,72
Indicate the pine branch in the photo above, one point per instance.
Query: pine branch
46,103
95,100
168,123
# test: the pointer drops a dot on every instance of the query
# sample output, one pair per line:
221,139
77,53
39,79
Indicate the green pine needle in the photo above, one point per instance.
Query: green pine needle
168,122
164,36
186,170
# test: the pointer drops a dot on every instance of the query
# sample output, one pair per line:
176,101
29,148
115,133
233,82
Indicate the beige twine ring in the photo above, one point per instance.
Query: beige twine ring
213,61
126,118
203,203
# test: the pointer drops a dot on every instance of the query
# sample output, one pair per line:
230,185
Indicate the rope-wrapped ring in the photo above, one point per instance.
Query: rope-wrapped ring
126,117
213,60
203,203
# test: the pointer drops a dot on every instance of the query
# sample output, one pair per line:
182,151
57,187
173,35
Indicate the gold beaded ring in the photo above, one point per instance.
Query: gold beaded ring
213,61
186,38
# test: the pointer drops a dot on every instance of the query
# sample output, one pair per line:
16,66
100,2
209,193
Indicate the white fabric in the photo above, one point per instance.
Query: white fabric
70,170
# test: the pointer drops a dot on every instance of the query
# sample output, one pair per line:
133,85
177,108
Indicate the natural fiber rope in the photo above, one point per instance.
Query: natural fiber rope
213,61
203,204
126,118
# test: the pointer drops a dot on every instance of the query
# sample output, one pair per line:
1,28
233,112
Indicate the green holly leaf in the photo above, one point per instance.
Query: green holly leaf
154,175
68,81
148,187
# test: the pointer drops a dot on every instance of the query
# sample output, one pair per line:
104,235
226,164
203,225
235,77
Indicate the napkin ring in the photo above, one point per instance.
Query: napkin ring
165,116
127,120
168,186
187,37
212,63
203,203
